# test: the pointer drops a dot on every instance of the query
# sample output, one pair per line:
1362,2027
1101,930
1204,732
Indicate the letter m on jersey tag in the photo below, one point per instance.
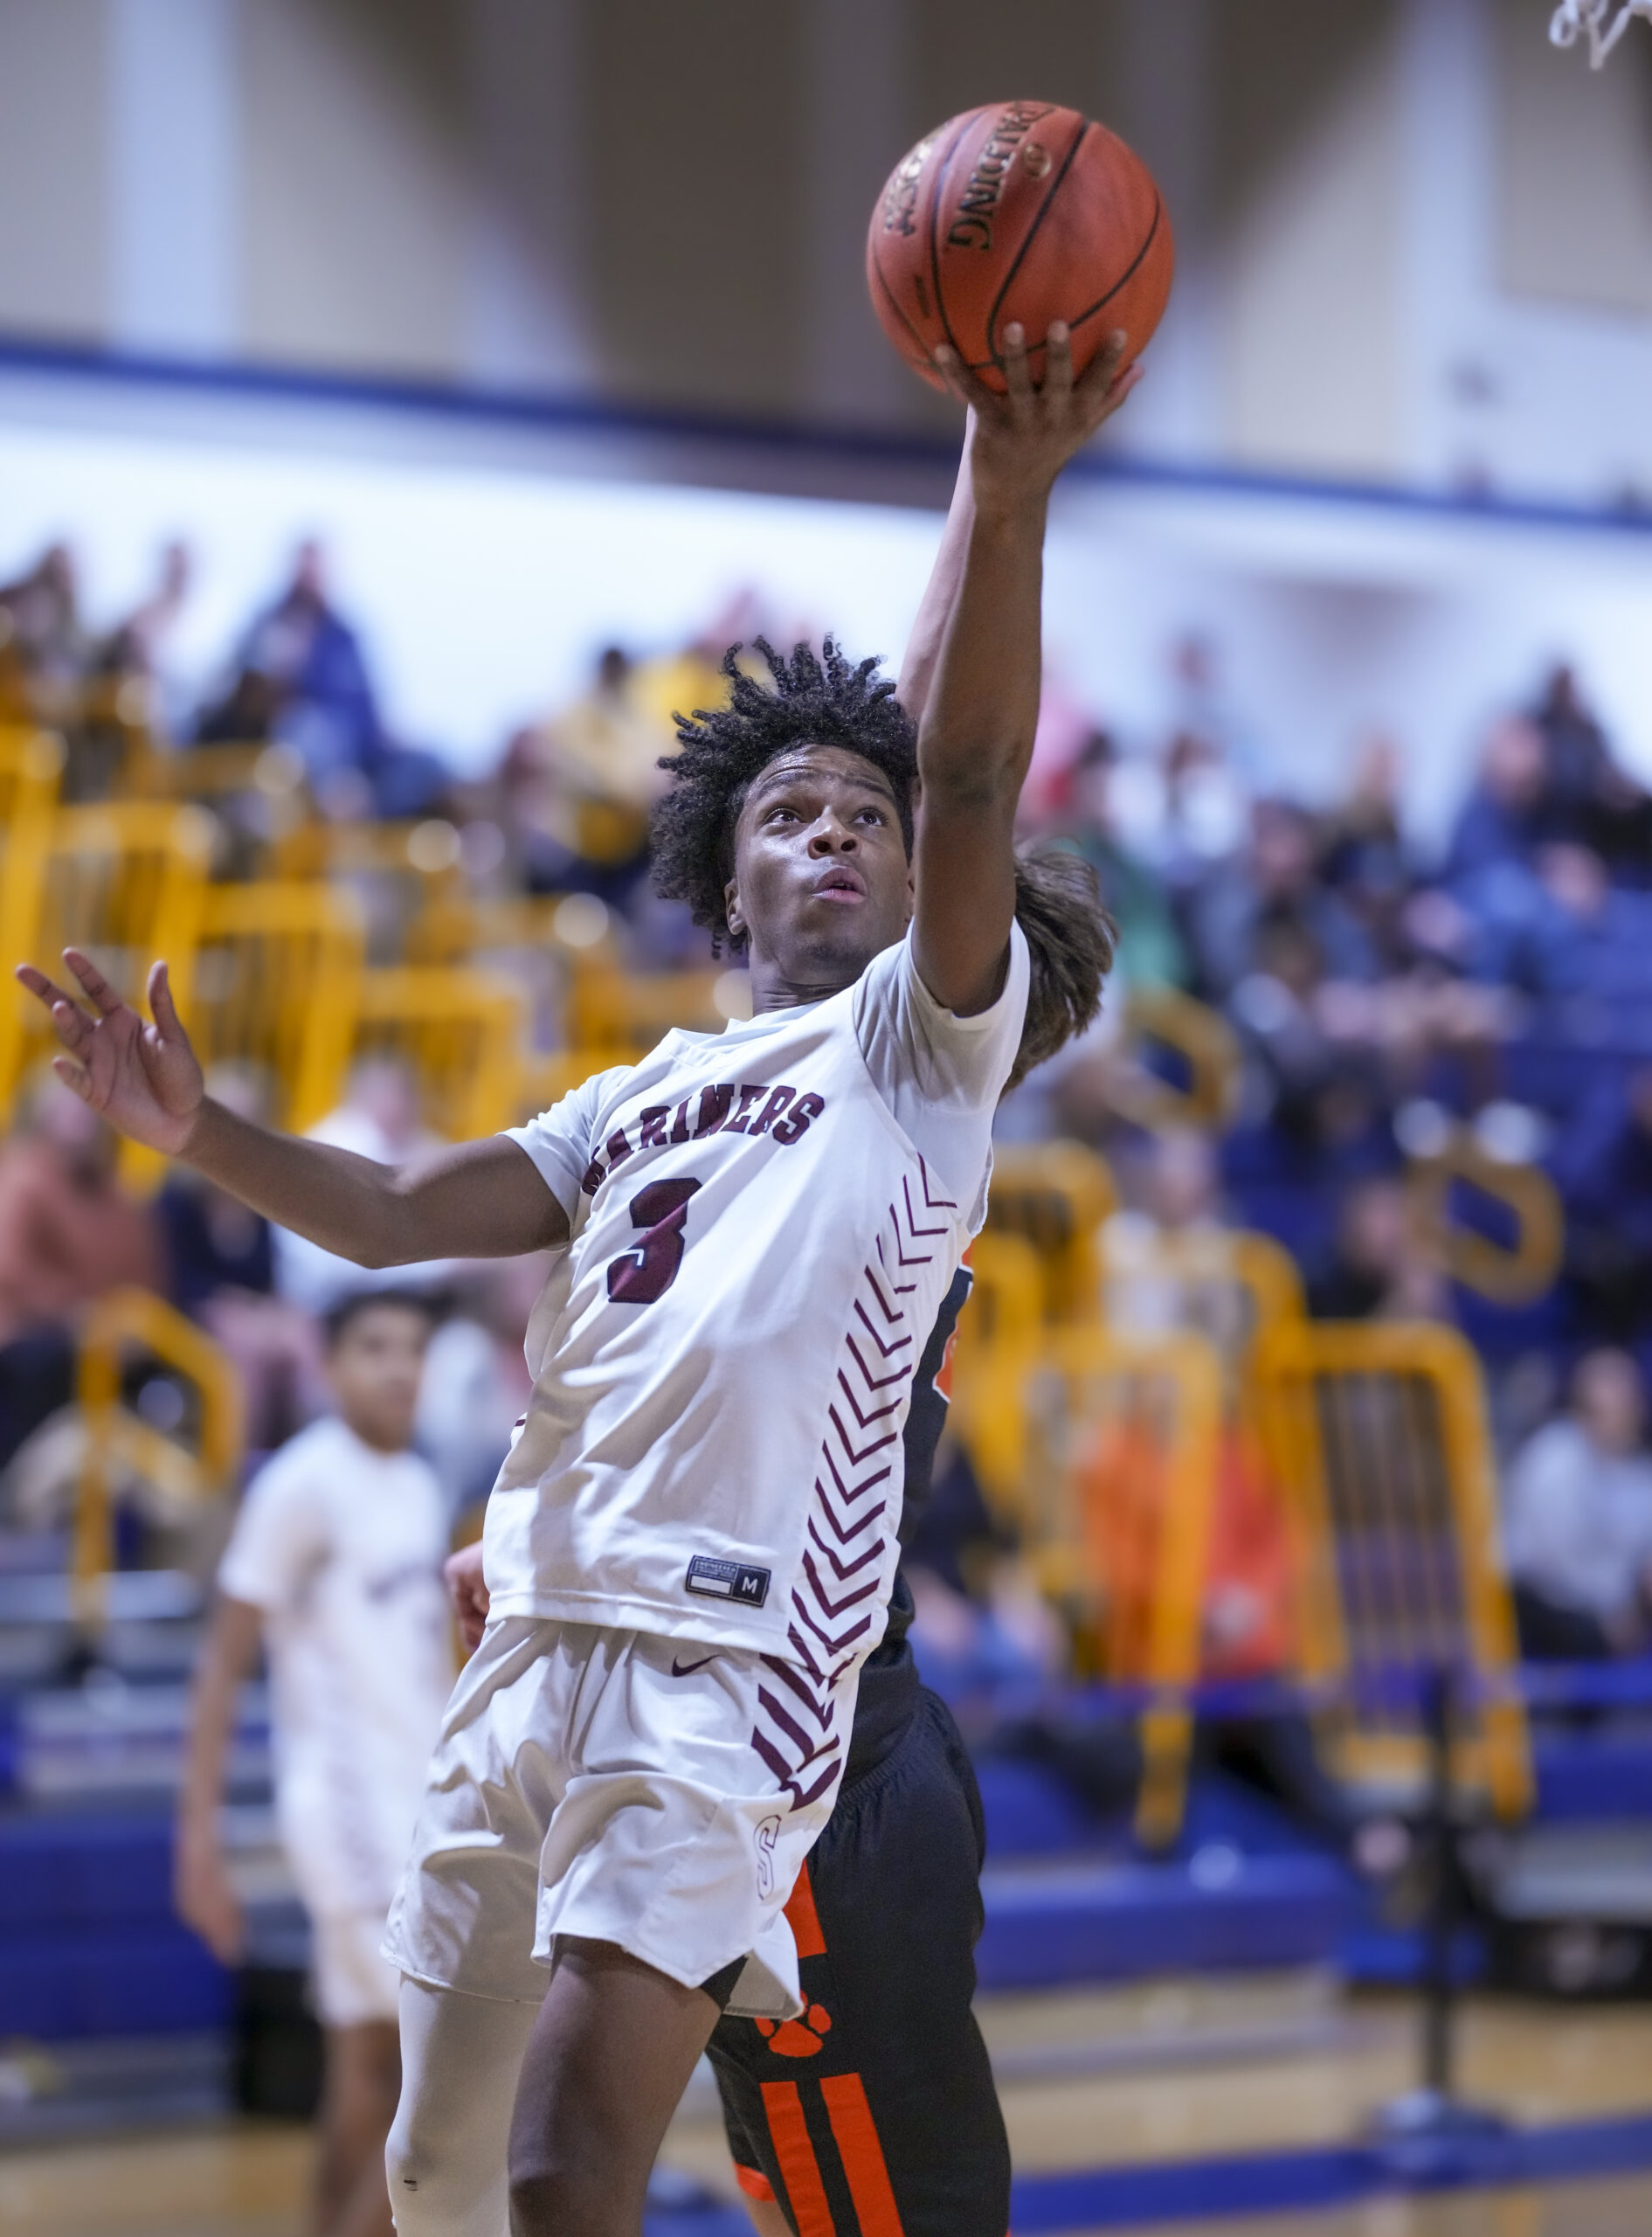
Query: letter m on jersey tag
727,1581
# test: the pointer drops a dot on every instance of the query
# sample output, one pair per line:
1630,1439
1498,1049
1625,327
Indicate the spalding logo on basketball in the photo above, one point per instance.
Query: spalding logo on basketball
1019,211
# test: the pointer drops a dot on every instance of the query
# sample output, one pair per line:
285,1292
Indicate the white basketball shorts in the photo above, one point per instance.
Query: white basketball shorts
652,1792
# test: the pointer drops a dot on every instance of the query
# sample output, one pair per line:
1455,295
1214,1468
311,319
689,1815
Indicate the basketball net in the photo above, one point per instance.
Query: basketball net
1594,19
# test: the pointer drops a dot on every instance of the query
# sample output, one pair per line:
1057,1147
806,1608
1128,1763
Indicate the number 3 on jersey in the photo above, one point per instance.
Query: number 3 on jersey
638,1276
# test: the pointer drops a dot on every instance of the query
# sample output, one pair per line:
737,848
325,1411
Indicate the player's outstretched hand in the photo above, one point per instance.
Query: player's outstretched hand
144,1079
1019,443
468,1591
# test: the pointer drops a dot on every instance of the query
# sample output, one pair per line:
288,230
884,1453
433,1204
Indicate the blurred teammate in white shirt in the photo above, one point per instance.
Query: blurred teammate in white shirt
334,1565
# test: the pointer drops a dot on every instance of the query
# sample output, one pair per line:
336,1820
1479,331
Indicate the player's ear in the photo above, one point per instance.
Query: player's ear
732,910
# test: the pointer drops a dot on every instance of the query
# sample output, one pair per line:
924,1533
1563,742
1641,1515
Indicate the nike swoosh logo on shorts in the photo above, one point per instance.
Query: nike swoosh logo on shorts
688,1669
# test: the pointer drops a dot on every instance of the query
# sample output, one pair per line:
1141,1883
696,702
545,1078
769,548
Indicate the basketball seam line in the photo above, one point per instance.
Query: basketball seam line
1068,161
935,211
1102,301
890,298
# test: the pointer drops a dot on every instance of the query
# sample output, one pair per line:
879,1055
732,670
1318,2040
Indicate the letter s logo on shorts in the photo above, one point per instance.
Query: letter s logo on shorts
767,1836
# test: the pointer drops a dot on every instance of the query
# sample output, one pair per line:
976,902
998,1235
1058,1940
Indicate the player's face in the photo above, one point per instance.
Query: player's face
374,1370
821,882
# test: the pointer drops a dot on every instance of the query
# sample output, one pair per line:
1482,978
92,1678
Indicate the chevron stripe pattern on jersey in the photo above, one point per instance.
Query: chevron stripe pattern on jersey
840,1589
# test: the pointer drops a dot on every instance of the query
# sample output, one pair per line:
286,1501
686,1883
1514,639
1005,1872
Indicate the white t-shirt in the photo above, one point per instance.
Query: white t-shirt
764,1224
1578,1522
340,1548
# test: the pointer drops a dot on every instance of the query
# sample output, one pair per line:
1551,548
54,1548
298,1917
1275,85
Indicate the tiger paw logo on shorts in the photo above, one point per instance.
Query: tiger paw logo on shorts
798,2039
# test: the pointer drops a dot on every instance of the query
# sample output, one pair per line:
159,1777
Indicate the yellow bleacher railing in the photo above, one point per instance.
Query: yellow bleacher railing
620,1015
1204,1041
31,772
460,1034
278,986
126,881
1508,1276
1055,1198
1378,1432
133,1320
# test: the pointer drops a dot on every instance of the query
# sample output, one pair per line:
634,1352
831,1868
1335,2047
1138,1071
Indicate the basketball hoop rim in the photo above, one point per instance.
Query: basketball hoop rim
1594,20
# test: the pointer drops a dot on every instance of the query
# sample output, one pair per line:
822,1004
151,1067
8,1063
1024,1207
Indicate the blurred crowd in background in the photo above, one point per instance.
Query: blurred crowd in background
1378,996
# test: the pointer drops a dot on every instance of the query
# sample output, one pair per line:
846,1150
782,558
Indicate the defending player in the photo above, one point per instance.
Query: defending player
689,1550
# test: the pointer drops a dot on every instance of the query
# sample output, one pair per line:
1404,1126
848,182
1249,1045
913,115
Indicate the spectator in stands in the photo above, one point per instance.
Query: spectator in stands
1151,952
334,1566
379,1119
579,787
301,678
221,1271
46,634
1501,820
135,647
68,1233
1381,1267
1588,797
1602,1166
1268,898
1577,1520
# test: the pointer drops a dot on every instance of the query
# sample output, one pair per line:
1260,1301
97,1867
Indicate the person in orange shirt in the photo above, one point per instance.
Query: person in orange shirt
68,1233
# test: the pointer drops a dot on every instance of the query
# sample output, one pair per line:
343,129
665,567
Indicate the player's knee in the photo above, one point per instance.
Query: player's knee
567,2202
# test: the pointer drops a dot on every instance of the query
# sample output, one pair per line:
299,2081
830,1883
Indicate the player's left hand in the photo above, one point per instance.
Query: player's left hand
467,1593
1019,443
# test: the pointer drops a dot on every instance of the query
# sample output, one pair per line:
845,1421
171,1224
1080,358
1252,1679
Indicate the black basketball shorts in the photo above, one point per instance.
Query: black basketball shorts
874,2115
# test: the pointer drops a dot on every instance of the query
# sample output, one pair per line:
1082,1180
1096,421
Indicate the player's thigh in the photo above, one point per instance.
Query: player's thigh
611,2054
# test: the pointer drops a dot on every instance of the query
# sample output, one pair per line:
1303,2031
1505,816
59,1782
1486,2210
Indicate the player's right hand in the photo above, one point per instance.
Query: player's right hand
205,1898
144,1079
467,1591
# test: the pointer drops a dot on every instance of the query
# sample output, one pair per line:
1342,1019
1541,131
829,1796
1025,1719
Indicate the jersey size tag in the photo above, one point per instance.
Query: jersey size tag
727,1581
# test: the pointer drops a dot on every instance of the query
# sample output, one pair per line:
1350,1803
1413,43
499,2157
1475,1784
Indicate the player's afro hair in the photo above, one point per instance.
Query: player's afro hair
810,701
1070,936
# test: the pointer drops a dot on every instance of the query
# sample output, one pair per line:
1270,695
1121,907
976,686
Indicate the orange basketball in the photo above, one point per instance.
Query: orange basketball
1022,211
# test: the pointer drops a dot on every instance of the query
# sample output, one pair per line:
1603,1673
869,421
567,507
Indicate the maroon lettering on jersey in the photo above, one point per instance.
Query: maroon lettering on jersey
594,1177
680,1124
795,1124
713,1109
777,1101
618,1148
653,1123
748,1097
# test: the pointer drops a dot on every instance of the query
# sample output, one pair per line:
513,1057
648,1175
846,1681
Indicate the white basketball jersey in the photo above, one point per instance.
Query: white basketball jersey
765,1223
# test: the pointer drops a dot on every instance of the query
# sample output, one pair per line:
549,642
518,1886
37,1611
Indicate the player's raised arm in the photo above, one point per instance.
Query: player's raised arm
481,1199
977,711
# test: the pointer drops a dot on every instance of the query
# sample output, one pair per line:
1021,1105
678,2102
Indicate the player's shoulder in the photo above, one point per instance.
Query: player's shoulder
313,1460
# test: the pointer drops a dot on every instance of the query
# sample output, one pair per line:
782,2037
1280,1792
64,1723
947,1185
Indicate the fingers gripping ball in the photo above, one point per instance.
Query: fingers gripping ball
1019,211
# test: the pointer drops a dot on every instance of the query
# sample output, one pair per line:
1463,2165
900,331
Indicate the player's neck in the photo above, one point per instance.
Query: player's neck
774,989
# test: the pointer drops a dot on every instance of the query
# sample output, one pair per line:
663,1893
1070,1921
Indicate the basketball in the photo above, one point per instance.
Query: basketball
1020,210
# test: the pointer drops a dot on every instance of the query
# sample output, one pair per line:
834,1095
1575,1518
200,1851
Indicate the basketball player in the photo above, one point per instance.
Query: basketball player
692,1545
335,1563
876,2110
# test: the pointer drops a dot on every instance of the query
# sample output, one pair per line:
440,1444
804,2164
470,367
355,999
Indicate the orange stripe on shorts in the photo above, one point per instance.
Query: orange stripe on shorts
804,2191
803,1919
862,2154
753,2183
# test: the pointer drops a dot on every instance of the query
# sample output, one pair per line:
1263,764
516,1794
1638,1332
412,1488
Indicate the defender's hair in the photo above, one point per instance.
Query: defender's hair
827,702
